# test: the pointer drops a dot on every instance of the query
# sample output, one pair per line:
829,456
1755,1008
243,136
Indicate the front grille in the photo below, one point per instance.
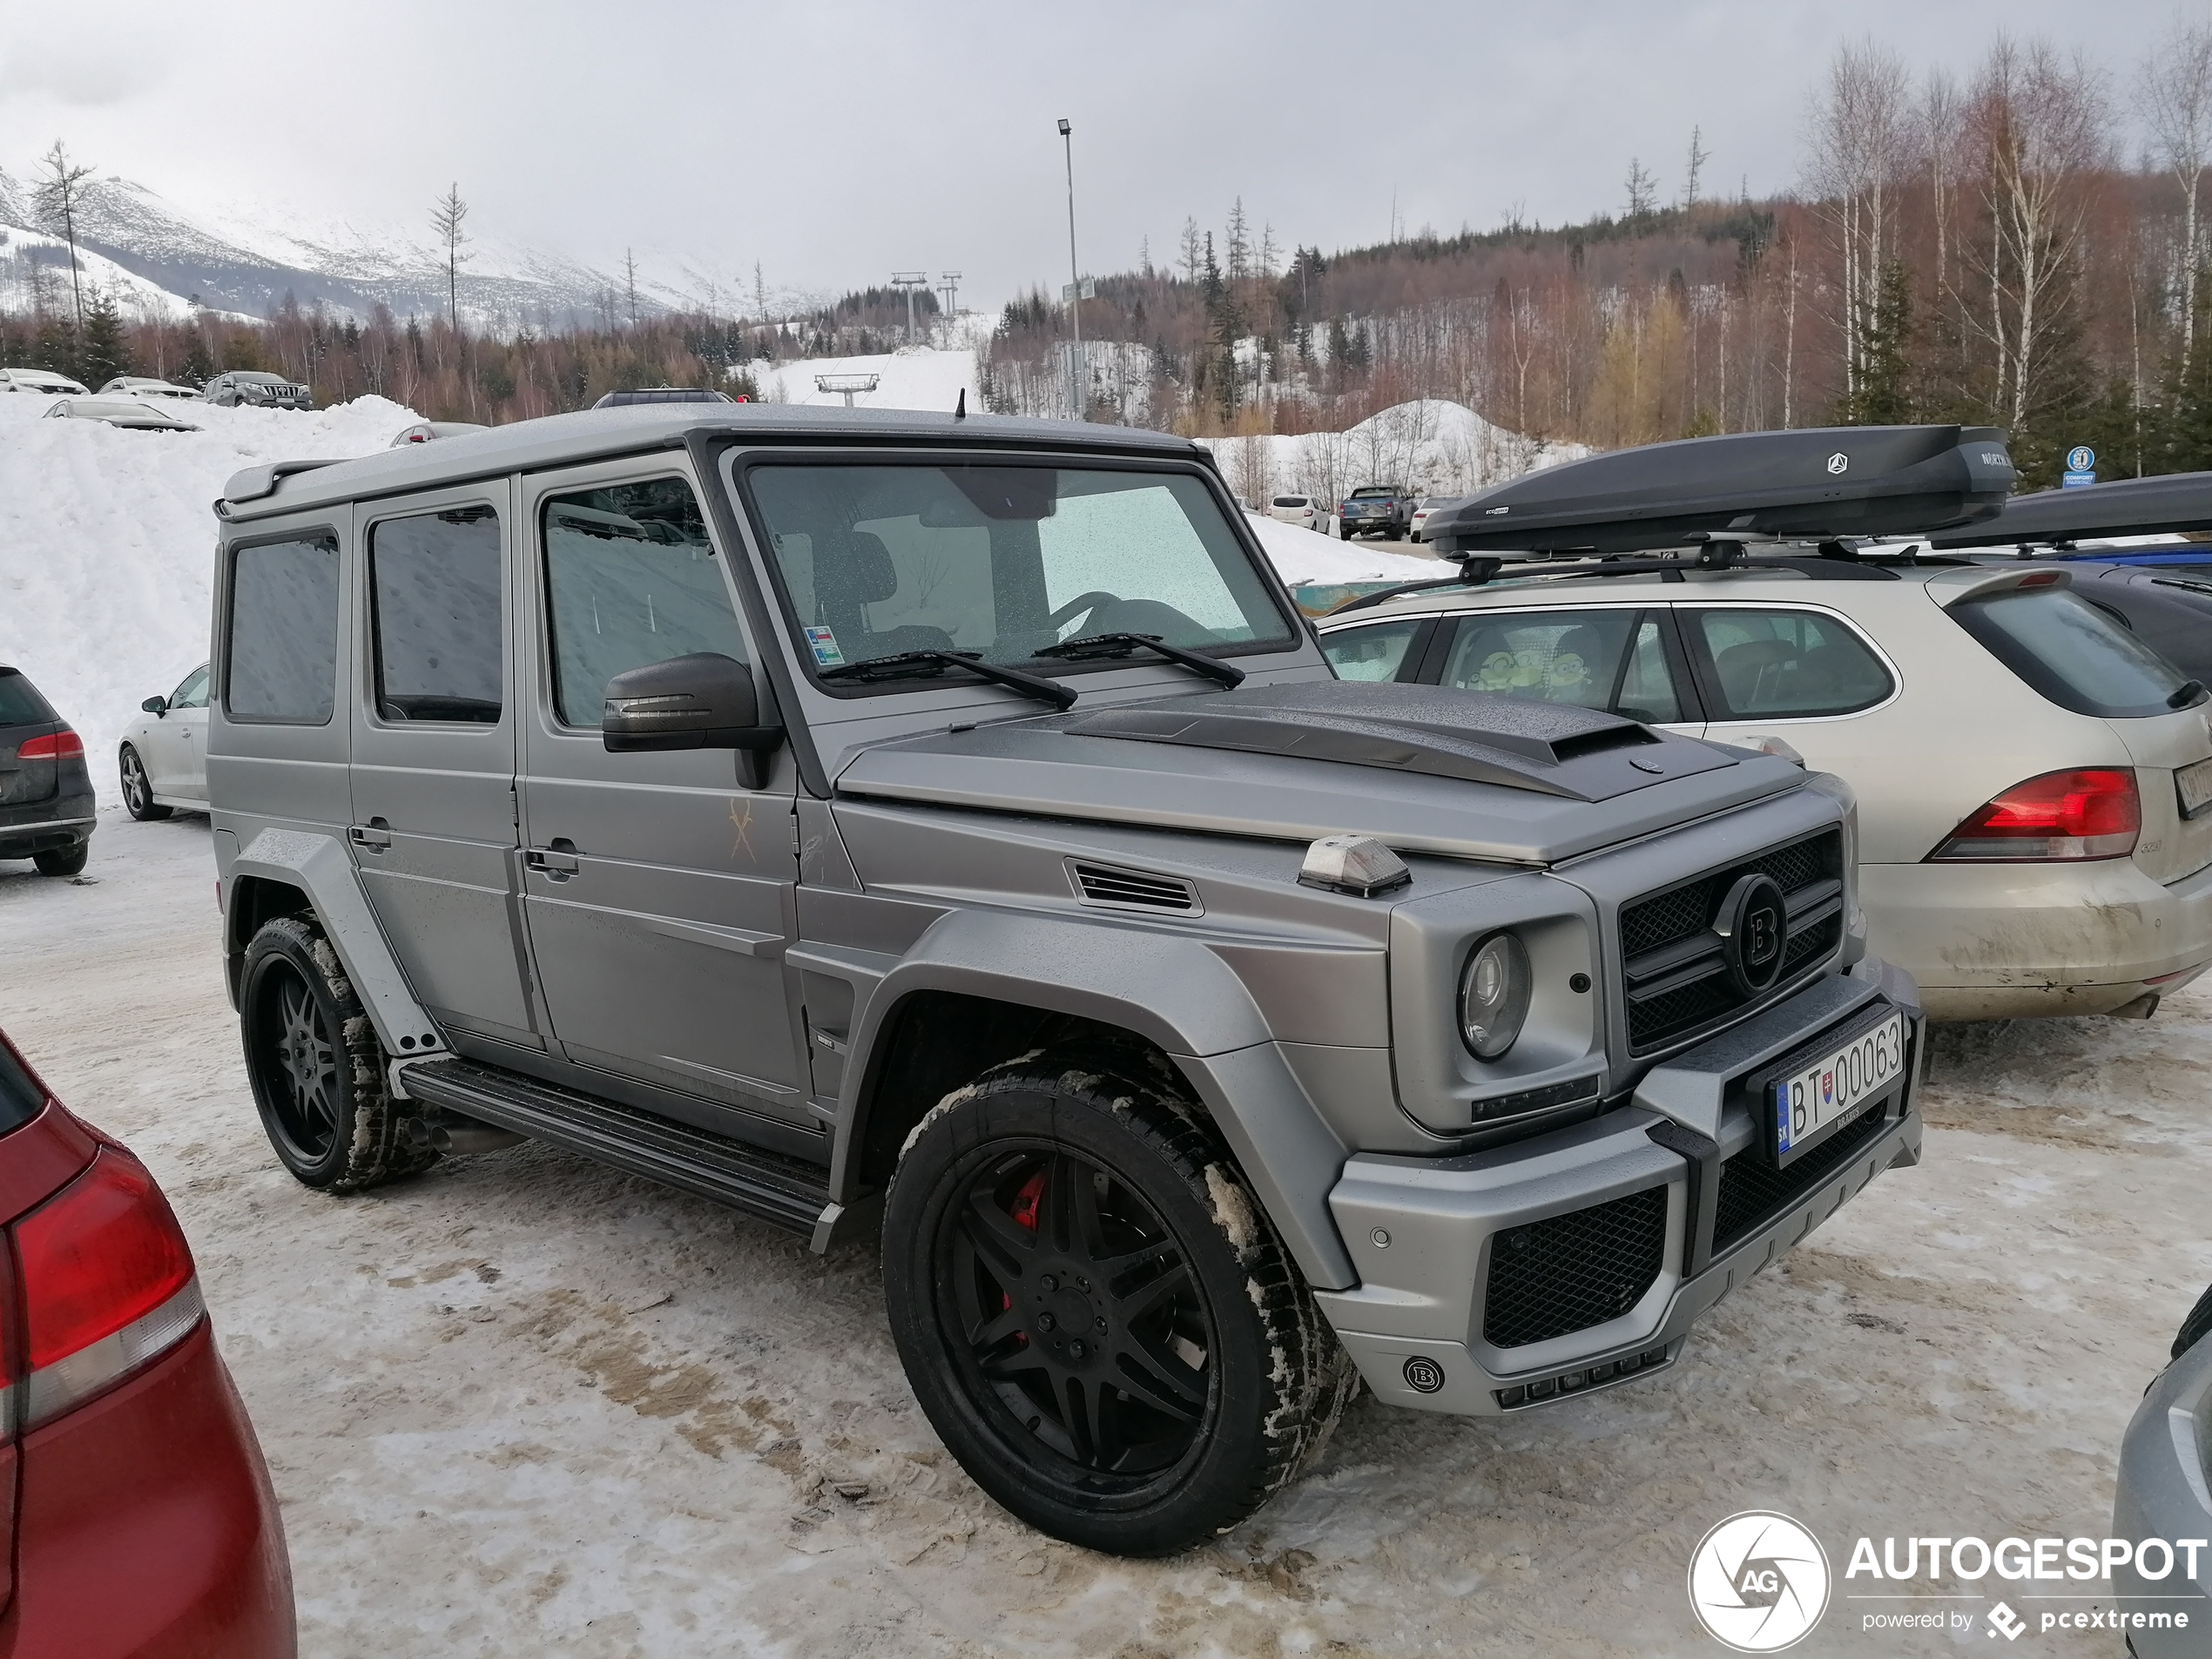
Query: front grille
1753,1191
1675,981
1102,884
1569,1272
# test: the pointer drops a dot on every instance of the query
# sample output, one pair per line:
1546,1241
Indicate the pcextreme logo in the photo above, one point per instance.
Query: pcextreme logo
1759,1582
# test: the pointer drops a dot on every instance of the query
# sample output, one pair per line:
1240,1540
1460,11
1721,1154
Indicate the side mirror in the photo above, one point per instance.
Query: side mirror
156,706
702,701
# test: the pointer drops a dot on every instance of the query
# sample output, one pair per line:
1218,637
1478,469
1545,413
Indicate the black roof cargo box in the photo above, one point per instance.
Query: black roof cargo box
1818,484
2178,501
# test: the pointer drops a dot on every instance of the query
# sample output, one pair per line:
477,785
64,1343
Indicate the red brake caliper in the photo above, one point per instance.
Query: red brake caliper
1024,1212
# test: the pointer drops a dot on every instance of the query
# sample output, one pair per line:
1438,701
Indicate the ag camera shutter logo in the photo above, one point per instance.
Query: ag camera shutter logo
1758,1582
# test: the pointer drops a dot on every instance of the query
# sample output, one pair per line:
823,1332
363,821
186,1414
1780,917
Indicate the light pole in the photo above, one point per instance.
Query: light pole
1078,366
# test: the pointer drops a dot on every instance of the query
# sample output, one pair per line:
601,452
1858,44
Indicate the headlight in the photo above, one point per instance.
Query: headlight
1493,995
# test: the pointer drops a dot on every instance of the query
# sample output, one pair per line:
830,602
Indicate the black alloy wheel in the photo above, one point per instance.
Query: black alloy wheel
1085,1329
1094,1312
316,1068
138,789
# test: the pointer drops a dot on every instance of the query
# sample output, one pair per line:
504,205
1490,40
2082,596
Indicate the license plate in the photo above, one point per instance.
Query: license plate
1809,1104
2194,784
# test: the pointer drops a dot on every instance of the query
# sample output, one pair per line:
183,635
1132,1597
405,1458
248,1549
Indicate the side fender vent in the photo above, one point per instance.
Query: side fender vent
1110,888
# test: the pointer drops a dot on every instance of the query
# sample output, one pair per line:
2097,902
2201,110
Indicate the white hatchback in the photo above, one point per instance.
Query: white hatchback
1300,510
163,755
2035,785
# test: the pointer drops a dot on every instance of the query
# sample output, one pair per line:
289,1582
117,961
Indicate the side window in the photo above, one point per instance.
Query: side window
1614,660
193,694
631,578
283,659
1375,653
434,613
1787,663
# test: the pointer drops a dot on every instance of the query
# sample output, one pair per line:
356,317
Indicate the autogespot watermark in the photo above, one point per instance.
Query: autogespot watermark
1760,1581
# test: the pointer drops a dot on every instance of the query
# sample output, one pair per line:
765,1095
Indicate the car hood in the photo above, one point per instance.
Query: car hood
1421,768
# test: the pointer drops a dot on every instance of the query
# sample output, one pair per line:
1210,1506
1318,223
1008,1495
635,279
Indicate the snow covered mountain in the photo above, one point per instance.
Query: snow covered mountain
152,252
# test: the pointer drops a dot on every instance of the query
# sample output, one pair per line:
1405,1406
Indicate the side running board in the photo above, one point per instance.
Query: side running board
787,1191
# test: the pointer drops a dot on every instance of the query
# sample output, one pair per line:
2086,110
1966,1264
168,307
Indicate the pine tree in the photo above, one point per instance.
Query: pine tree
1240,243
104,351
199,368
1189,257
1884,393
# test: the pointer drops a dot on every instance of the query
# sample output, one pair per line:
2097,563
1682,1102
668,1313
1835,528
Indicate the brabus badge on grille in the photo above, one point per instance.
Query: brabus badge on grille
1753,923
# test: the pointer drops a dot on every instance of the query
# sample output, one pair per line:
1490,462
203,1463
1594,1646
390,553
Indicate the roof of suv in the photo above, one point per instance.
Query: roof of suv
558,440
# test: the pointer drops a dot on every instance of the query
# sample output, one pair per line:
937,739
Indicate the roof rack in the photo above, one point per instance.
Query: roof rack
1836,560
2170,503
1817,485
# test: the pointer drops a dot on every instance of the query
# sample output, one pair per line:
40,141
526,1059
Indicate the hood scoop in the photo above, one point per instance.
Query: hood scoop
1550,748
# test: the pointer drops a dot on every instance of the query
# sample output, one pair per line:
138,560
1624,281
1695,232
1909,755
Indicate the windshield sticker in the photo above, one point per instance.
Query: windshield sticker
823,644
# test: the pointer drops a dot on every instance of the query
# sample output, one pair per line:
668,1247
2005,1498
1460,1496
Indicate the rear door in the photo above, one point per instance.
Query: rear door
24,715
661,892
434,829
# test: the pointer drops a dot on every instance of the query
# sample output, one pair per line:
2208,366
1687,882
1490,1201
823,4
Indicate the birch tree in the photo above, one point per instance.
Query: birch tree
2177,105
1857,151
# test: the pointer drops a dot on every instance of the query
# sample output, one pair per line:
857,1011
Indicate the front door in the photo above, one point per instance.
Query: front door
659,892
184,729
434,820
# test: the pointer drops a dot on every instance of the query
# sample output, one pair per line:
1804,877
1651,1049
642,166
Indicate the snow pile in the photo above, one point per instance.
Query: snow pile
1307,558
917,378
107,541
1436,447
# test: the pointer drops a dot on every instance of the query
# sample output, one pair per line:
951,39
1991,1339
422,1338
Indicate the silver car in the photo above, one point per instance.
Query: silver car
162,758
251,388
944,830
2165,1494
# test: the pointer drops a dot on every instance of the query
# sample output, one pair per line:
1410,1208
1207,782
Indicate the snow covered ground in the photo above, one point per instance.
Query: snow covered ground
107,543
1436,447
919,378
527,1406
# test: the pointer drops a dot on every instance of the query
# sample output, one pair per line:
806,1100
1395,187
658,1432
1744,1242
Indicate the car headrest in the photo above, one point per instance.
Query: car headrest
853,568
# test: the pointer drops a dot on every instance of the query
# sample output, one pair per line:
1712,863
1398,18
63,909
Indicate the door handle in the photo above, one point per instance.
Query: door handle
555,866
373,838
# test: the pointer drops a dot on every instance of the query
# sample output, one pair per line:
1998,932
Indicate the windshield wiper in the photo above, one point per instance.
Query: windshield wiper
909,664
1095,645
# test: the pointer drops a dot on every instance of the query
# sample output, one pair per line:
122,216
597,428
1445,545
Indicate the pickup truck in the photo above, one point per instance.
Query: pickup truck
1371,507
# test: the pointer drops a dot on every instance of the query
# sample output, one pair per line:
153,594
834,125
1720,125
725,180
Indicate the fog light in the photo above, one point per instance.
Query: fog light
1493,995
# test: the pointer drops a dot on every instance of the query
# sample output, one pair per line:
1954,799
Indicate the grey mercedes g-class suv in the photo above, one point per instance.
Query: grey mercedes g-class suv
946,828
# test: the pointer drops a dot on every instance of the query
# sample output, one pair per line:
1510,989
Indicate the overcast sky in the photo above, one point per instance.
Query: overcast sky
834,142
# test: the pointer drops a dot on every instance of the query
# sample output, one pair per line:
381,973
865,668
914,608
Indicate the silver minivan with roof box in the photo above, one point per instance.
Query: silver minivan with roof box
946,830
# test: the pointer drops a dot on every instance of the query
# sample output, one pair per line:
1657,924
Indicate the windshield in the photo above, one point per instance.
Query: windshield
20,703
2073,654
1371,492
1004,561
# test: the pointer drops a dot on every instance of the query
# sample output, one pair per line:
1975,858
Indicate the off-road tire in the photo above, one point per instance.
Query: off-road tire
1273,1379
63,860
2196,1327
316,1068
138,788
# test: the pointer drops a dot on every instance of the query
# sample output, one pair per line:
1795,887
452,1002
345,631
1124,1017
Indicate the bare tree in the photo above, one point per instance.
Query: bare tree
1859,145
2040,123
59,193
1942,116
629,282
446,219
1698,157
1643,190
2177,101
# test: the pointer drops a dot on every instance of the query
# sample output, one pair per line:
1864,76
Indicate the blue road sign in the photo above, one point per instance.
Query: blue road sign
2077,480
2081,458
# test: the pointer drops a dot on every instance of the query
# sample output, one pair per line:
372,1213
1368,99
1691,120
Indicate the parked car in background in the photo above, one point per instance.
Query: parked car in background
164,754
251,388
1427,505
1300,510
1376,509
660,395
141,1515
2165,1492
144,385
47,808
124,412
2034,783
424,431
38,380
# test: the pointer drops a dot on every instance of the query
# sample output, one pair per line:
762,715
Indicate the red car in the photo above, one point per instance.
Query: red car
143,1521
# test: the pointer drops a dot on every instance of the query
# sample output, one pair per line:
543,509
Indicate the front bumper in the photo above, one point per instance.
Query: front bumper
2000,942
2165,1491
1681,1162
